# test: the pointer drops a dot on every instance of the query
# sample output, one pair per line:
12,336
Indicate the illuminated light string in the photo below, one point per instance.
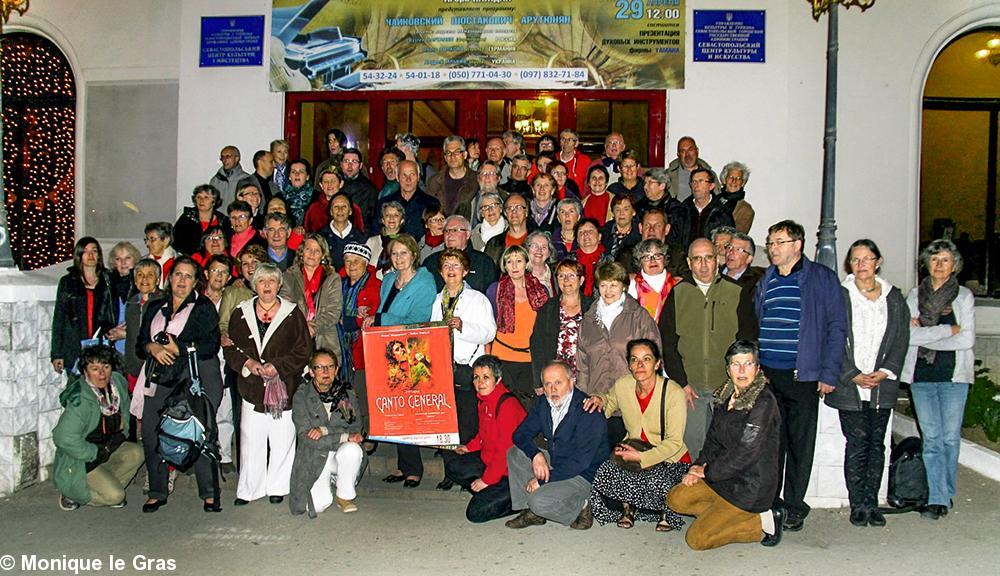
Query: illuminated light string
39,123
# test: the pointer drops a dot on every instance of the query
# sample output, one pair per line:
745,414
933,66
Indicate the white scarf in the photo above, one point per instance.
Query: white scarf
607,313
487,231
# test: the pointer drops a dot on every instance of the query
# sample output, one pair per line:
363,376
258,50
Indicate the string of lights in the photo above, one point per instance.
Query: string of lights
39,141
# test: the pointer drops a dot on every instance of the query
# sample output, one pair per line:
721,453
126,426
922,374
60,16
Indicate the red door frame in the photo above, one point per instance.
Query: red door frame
471,107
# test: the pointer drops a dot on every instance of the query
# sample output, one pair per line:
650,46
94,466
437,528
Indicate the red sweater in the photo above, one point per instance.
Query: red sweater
495,435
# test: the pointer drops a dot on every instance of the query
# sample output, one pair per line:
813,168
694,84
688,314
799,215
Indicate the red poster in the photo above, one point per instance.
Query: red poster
411,393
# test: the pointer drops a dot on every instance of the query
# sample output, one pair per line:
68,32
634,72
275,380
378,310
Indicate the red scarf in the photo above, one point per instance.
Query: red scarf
311,288
537,295
240,239
649,299
589,262
433,241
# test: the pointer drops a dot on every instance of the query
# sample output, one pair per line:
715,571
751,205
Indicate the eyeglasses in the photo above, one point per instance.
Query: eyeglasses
436,220
770,243
651,257
324,367
700,259
488,207
452,266
741,366
488,174
516,208
215,237
151,239
239,217
218,271
455,230
864,260
453,153
731,248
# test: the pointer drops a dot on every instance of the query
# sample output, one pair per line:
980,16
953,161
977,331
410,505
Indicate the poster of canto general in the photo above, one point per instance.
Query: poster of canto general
411,393
480,44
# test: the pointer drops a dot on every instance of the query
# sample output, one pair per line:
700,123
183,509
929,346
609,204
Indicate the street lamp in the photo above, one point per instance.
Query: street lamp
7,7
826,248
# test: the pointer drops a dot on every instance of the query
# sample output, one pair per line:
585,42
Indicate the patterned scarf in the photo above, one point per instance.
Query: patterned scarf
932,305
537,295
347,339
108,398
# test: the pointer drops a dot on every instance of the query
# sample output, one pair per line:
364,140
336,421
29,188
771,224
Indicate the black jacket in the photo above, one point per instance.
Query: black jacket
715,215
69,319
545,335
187,230
482,270
741,448
362,192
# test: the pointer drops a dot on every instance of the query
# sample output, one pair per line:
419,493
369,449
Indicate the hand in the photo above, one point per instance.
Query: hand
253,366
698,471
691,395
628,453
955,329
532,485
368,322
172,346
314,434
356,438
461,450
538,391
690,479
160,353
915,322
117,333
824,389
363,310
268,370
300,230
225,340
455,323
57,365
540,467
593,404
478,485
861,380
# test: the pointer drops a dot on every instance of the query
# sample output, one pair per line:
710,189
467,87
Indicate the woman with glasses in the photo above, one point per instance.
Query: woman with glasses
653,283
241,233
633,485
159,246
492,223
877,339
433,239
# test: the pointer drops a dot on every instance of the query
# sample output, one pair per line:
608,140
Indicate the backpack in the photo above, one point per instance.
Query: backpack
907,476
187,423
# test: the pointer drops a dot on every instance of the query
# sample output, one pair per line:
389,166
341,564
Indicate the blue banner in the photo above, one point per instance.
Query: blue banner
729,35
232,41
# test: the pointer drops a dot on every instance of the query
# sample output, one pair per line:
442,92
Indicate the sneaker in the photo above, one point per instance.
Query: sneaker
67,504
585,520
346,506
524,519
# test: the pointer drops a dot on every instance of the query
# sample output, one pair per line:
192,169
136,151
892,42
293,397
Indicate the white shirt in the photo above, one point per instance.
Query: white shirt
868,322
338,233
478,325
558,414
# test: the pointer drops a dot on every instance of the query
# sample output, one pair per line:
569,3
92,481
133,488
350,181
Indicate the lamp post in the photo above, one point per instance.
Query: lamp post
7,7
826,248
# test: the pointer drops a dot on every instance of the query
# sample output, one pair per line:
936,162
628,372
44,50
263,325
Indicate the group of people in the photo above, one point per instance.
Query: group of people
616,354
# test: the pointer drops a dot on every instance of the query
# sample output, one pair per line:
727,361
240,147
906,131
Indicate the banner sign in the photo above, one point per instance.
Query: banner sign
232,41
411,391
476,44
729,35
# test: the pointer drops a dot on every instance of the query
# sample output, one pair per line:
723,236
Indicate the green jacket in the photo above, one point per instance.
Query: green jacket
80,416
696,330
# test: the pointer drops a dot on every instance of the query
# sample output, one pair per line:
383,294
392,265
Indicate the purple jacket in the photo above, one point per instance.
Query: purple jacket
823,325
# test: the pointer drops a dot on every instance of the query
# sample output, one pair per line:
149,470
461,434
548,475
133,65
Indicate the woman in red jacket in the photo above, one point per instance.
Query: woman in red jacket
361,299
481,465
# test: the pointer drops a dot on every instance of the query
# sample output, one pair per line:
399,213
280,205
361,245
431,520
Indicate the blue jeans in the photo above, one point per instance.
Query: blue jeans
940,407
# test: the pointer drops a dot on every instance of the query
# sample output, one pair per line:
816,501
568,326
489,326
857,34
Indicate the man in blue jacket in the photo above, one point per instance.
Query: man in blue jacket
554,484
803,331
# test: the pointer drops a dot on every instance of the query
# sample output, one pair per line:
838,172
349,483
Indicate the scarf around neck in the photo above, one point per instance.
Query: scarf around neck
932,305
506,299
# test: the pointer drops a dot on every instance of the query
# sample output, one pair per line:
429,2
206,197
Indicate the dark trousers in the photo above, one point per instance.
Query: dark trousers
466,405
799,406
489,503
616,430
205,469
864,455
229,381
518,378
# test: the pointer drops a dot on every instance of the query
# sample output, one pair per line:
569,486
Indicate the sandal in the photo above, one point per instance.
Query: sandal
627,519
662,525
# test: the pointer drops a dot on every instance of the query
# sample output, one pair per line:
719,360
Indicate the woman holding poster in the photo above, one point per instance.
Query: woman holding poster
406,297
469,316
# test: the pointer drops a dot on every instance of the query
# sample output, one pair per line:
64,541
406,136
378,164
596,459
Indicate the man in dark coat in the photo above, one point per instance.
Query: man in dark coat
483,270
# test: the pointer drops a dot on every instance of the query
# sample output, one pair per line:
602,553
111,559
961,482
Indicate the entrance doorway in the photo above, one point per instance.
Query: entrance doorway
371,120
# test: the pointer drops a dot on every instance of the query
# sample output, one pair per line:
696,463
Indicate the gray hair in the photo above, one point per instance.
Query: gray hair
938,246
266,271
279,217
727,230
409,141
746,238
452,140
148,263
491,196
520,156
571,201
515,136
738,166
658,174
395,206
646,246
548,240
459,218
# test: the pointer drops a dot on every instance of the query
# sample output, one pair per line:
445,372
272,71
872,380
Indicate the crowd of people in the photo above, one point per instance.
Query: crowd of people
616,354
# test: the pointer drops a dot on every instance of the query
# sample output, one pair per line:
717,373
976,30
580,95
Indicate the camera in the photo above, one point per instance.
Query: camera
162,338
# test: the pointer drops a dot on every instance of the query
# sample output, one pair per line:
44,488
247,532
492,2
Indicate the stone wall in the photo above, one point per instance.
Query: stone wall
29,394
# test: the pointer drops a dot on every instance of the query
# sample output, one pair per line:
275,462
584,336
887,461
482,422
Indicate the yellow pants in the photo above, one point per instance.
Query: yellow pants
717,522
107,482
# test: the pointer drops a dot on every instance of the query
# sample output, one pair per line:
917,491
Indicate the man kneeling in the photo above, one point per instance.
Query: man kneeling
730,488
328,440
93,462
554,484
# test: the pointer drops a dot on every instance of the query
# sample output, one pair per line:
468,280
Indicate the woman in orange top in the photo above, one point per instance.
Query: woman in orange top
516,298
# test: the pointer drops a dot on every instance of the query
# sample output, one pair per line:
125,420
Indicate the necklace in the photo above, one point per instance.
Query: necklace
265,313
869,290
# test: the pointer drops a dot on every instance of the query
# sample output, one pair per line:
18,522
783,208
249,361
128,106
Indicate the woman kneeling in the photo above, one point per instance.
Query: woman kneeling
731,485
